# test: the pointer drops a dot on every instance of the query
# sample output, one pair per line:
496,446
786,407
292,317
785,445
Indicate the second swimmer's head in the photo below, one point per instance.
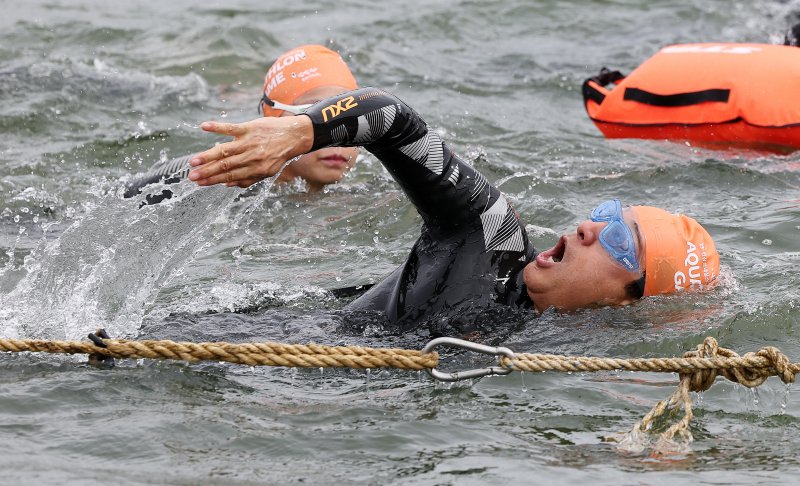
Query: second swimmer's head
298,78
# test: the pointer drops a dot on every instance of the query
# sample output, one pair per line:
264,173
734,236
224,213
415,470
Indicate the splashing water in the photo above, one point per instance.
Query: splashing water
785,399
755,394
108,265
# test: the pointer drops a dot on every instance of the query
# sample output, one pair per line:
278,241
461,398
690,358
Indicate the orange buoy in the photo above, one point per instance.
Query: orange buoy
718,94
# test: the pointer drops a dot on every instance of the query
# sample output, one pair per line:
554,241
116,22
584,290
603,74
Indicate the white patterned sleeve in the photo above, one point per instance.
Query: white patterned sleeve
448,193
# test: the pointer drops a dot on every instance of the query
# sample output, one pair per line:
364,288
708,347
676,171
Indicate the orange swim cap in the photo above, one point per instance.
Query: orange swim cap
679,253
302,69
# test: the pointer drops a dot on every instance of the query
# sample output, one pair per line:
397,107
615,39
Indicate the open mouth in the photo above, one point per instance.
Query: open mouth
553,256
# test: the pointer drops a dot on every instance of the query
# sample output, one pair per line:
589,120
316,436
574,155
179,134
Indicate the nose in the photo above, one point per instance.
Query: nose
588,230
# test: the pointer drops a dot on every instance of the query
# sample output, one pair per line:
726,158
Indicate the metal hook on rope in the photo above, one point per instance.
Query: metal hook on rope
470,346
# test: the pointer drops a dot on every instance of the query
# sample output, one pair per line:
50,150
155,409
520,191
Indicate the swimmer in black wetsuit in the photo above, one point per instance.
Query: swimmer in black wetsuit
473,249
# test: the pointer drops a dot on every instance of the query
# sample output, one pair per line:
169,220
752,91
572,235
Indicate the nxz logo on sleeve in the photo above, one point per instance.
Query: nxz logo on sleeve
338,108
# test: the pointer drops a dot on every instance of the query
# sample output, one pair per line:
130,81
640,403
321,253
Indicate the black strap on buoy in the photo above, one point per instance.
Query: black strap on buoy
603,78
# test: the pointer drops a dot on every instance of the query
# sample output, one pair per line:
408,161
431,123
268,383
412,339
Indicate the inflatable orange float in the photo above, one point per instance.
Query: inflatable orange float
717,94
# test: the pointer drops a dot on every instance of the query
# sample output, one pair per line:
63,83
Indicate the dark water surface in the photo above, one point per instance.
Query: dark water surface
94,92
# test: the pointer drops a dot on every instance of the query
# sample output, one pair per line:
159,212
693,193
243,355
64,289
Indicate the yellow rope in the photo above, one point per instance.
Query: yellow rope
698,369
253,354
750,370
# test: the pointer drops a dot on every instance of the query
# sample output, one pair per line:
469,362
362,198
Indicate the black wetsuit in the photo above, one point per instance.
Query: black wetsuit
167,172
472,247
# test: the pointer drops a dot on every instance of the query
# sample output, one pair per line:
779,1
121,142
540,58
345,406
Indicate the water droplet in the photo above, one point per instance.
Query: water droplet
367,374
767,242
785,400
755,393
522,378
223,114
321,371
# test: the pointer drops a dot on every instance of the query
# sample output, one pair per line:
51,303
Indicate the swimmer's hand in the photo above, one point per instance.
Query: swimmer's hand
258,150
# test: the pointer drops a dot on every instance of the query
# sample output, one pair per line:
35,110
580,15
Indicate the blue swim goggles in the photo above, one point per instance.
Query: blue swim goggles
616,237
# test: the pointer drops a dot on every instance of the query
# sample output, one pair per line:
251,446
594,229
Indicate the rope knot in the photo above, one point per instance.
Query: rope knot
750,370
779,362
701,379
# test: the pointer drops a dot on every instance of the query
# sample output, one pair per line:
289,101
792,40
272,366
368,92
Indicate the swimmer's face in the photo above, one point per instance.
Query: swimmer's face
325,166
578,272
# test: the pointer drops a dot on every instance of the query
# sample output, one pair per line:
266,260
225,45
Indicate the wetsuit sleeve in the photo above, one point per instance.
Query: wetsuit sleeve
446,191
168,172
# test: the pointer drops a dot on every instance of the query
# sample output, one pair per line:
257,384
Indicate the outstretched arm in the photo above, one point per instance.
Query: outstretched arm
446,191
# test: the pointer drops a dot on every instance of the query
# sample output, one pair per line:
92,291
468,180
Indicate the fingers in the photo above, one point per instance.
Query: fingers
221,166
222,150
232,129
234,177
219,152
